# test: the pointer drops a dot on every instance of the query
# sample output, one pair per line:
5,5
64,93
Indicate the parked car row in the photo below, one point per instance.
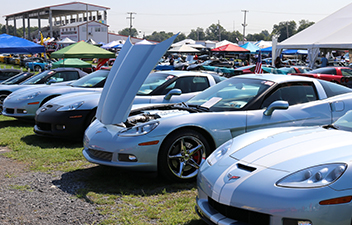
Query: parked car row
264,148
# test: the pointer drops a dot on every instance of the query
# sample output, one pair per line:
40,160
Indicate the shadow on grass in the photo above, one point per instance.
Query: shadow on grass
112,180
115,181
15,123
48,142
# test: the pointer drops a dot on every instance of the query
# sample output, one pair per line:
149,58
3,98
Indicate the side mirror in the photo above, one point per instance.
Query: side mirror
274,106
51,81
172,92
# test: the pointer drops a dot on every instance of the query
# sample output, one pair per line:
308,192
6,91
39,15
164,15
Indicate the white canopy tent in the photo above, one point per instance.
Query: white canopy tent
224,42
183,49
66,41
184,42
332,32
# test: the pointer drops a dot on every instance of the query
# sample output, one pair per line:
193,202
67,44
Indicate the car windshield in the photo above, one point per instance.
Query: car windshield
95,79
230,95
17,78
344,122
153,81
39,77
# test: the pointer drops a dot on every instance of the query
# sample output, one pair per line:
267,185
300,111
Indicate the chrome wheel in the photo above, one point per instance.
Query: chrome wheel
181,155
185,157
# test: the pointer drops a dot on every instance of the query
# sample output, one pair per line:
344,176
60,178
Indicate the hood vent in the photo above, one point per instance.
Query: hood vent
246,168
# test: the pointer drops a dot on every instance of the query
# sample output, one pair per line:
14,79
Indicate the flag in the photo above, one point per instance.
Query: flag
101,63
258,66
41,38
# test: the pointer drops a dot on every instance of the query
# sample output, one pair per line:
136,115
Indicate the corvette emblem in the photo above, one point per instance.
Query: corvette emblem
232,177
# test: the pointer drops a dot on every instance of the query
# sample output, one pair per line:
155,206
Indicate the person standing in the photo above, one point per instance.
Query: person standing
278,62
324,61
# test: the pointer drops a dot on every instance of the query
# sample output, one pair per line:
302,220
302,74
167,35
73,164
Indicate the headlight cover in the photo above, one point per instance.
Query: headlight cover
219,152
30,96
313,177
139,129
70,107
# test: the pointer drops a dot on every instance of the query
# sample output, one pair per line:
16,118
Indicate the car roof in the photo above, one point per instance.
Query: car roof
277,78
180,73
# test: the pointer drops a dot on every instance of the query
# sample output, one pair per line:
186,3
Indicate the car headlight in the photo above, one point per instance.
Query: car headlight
30,96
139,130
313,177
70,107
219,152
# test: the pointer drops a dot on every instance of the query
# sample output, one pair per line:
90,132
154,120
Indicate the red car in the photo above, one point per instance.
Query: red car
333,74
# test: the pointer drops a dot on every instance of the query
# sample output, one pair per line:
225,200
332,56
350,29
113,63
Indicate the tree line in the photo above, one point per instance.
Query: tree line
216,32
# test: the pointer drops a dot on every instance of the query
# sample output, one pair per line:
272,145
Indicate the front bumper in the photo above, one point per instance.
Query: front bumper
252,201
61,124
103,146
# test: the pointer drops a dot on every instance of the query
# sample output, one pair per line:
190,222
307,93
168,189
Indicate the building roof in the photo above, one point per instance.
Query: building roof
57,10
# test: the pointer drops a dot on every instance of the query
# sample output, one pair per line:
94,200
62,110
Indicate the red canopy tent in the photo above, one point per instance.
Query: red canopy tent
230,48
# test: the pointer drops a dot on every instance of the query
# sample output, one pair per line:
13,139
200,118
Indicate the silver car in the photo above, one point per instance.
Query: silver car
280,176
175,139
70,114
24,103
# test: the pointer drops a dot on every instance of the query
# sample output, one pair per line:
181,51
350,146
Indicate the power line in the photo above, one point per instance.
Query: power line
131,18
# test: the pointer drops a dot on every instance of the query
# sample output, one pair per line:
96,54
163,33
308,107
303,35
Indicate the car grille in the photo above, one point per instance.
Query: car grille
10,111
101,155
44,126
241,215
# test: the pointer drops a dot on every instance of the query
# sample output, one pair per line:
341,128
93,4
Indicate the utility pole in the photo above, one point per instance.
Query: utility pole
244,24
219,30
131,18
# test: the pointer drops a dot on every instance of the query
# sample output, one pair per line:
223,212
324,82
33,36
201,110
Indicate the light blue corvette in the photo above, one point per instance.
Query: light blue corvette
175,139
70,114
280,176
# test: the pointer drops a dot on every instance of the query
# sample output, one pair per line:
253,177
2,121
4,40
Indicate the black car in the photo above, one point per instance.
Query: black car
58,75
7,73
17,79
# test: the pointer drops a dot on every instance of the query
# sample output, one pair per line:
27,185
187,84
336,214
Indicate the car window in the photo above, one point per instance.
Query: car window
65,76
95,79
324,70
332,89
154,84
346,72
231,94
294,93
188,84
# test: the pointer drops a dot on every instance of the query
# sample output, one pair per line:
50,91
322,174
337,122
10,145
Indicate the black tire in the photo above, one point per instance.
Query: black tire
90,118
2,98
37,68
182,165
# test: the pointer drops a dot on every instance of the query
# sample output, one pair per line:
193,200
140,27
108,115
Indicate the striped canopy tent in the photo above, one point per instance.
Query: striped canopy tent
230,48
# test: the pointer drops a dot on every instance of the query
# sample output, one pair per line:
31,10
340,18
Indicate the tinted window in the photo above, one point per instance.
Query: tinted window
231,94
188,84
346,72
292,93
324,70
95,79
333,89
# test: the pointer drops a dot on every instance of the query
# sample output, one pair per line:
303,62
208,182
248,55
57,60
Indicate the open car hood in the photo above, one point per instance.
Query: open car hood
131,68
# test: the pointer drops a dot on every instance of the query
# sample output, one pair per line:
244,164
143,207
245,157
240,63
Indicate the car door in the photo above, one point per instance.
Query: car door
304,108
189,86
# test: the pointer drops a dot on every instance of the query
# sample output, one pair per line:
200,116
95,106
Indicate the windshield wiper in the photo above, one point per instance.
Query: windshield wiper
200,108
330,126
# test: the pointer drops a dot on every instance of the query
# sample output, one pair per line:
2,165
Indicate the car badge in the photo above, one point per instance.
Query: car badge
232,177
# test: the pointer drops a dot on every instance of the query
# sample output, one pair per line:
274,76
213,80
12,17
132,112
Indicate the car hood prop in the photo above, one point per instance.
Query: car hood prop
131,68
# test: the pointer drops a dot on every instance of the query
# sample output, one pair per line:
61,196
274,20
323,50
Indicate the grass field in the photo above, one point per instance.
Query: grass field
125,197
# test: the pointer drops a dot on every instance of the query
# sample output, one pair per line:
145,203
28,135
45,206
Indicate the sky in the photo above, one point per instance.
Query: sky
185,15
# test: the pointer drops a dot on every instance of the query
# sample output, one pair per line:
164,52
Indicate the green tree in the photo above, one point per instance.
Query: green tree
284,29
214,32
303,24
126,32
197,34
264,35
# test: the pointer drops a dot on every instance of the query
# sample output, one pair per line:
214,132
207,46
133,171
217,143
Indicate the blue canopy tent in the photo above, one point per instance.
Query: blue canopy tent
251,47
17,45
266,50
